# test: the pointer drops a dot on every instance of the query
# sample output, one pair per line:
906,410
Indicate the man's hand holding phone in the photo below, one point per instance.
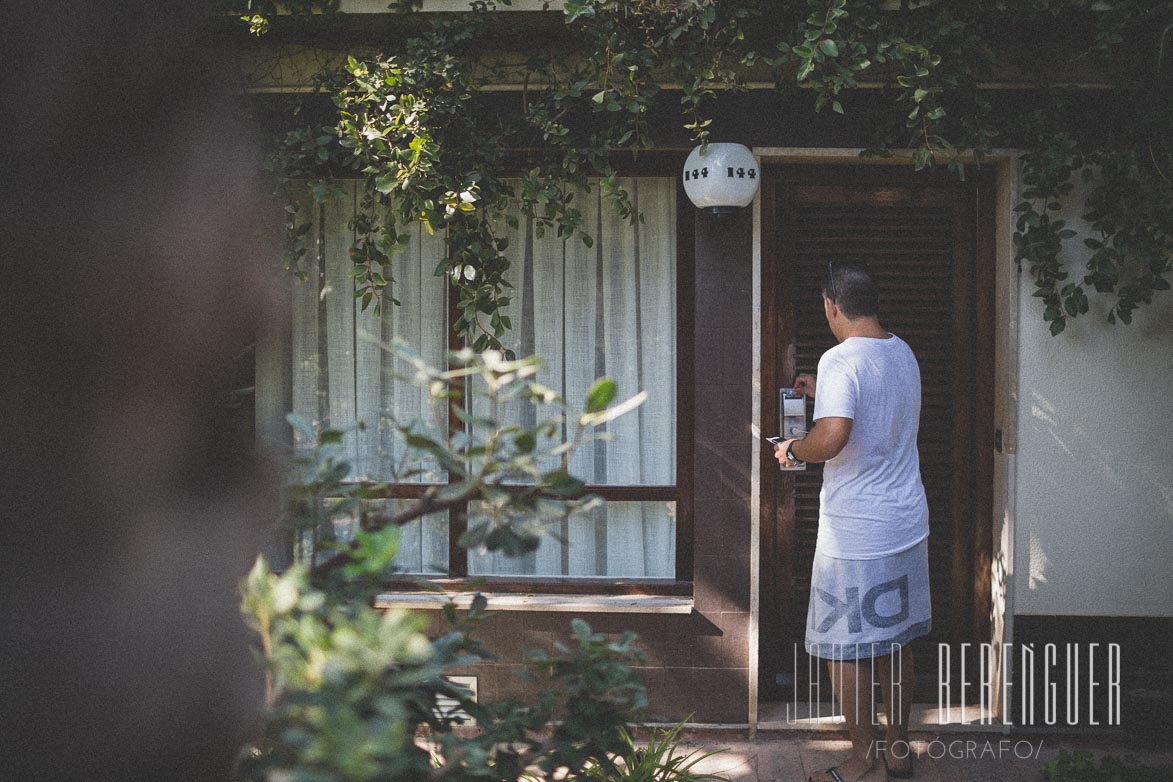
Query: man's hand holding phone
780,448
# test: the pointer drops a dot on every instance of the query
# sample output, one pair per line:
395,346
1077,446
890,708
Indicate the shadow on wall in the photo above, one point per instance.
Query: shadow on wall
1095,457
130,284
1095,513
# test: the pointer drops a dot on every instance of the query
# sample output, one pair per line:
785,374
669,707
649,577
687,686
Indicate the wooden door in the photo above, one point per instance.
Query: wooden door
927,238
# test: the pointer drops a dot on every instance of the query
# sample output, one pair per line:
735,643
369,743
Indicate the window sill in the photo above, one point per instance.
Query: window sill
579,604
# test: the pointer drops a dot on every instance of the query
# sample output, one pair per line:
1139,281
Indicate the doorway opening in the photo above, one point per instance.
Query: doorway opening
928,237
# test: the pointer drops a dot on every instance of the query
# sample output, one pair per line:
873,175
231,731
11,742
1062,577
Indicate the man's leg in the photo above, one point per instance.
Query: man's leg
853,689
897,679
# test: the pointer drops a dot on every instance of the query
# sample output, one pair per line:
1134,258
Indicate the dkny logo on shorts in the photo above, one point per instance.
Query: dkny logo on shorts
857,611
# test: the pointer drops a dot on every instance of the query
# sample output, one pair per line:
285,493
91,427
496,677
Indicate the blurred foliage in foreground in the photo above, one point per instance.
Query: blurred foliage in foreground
1083,767
354,693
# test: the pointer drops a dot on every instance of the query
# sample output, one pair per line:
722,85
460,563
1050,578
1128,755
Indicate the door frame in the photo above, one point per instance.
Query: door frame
999,571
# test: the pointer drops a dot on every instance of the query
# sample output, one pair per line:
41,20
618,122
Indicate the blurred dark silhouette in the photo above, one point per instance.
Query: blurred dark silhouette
132,283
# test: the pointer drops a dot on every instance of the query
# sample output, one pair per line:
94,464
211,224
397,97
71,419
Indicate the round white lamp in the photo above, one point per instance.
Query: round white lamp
723,178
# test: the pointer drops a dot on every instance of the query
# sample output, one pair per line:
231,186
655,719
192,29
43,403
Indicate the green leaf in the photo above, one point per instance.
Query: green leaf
479,604
580,629
920,158
301,425
563,484
525,442
829,47
602,393
386,183
258,577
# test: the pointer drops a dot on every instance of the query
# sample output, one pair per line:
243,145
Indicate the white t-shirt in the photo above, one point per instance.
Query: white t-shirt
873,501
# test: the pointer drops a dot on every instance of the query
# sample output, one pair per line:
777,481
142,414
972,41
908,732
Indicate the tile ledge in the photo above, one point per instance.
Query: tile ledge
583,604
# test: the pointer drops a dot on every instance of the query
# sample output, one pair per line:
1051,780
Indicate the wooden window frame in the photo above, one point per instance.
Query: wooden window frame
648,165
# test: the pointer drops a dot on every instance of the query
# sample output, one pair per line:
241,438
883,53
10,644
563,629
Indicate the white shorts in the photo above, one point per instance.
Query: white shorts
863,608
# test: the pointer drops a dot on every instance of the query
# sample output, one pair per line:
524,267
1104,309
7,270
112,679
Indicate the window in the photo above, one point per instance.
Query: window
610,309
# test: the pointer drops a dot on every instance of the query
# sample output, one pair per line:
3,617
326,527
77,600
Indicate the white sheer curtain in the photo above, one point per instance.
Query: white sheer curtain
338,375
609,309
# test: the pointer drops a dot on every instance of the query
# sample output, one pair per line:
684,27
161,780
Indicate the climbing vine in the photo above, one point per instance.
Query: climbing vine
412,125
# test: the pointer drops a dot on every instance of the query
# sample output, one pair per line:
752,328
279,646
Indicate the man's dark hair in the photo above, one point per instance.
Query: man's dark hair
850,284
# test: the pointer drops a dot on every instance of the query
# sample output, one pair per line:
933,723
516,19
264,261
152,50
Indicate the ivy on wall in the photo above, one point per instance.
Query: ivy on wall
411,127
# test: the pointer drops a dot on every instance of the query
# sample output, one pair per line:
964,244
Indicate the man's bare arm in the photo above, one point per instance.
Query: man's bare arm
824,441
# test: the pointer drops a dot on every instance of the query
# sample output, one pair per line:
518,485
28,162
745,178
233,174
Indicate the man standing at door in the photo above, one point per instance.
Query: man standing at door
870,580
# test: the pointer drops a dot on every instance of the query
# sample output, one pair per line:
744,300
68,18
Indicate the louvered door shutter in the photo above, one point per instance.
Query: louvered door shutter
920,235
910,249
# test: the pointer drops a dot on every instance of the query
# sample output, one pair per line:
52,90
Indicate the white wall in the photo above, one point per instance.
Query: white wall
1094,507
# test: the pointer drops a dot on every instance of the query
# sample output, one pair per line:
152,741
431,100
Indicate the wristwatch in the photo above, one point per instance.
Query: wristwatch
790,457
